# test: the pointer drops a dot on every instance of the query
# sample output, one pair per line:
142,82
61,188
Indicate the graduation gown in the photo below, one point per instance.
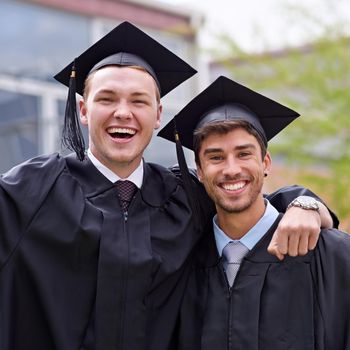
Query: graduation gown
76,274
299,303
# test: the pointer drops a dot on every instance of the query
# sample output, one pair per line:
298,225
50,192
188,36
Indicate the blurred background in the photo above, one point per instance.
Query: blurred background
297,54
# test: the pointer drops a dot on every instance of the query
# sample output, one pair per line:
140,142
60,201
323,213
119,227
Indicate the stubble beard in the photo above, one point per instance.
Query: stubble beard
241,205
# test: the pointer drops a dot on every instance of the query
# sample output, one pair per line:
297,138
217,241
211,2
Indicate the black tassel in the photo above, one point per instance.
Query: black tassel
72,136
189,185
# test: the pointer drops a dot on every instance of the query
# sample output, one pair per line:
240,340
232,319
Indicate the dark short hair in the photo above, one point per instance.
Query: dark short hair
223,127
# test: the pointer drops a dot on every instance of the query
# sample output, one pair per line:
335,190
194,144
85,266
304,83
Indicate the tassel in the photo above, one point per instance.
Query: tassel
189,186
72,136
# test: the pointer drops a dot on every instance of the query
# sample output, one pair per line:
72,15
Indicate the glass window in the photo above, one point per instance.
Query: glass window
39,41
18,128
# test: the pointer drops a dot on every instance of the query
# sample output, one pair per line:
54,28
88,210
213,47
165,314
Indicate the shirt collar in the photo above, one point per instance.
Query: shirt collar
253,236
136,176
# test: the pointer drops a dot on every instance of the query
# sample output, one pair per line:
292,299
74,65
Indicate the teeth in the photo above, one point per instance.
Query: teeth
234,187
121,131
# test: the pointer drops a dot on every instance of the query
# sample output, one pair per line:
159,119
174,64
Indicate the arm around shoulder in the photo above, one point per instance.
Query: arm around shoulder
281,199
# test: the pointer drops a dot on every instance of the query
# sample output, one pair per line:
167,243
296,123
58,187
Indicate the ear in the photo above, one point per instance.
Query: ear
199,172
267,162
83,112
159,116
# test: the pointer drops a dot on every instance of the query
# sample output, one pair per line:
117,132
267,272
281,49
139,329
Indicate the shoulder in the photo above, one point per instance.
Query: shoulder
159,185
31,180
25,187
333,245
38,166
160,175
334,238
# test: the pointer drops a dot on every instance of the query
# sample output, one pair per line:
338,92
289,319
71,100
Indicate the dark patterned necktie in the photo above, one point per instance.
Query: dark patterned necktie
126,190
232,254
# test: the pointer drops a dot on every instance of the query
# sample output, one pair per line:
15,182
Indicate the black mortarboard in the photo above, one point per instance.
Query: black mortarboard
225,99
124,45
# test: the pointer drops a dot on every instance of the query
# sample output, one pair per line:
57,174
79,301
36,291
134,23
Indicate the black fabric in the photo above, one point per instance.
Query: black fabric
74,274
169,69
299,303
126,59
226,99
233,111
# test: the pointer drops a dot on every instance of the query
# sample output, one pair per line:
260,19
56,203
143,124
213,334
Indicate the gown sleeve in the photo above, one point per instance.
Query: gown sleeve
22,189
283,196
331,275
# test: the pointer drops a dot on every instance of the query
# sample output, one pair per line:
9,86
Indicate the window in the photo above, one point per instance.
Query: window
37,42
18,128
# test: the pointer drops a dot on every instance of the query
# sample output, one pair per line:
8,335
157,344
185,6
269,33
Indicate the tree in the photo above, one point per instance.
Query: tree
313,79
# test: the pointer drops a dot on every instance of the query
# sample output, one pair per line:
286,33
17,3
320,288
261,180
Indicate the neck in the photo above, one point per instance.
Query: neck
124,170
121,169
236,225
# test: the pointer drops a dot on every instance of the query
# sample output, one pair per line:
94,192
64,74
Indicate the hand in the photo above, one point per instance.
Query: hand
296,234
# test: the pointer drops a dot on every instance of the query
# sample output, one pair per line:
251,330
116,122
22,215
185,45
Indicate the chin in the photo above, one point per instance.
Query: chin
235,208
125,157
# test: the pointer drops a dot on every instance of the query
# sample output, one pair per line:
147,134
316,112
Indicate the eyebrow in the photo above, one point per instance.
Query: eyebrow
105,91
133,94
143,93
237,148
245,146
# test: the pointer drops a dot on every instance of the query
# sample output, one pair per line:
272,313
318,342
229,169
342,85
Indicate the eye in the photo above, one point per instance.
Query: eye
139,102
216,158
104,99
244,154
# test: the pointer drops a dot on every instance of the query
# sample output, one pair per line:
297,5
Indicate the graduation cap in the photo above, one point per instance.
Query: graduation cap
125,45
223,100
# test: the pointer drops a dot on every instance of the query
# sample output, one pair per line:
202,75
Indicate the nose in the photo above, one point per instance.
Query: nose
122,111
231,167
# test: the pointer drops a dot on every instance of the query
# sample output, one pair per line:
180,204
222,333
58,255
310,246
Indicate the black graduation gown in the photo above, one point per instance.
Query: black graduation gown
74,274
300,303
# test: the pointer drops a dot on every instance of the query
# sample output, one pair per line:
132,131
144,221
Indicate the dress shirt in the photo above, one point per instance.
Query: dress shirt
135,177
253,236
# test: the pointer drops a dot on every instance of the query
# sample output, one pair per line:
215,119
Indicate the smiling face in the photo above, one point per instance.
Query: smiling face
121,109
232,170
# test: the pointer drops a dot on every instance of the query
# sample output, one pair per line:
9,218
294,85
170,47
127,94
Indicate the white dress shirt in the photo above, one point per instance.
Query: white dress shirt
136,176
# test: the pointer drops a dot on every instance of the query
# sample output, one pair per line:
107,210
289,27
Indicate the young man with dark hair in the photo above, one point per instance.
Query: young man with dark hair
238,295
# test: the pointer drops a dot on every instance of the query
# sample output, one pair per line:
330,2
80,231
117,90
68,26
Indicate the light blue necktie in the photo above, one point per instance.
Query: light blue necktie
232,254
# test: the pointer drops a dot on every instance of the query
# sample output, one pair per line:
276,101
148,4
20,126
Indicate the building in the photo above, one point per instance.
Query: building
39,37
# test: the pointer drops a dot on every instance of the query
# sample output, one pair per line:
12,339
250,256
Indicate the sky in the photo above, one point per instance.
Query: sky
257,25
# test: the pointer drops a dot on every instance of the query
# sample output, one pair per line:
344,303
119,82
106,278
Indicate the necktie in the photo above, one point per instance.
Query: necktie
233,253
126,190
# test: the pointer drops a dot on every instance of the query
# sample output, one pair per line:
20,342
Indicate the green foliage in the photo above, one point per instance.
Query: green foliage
314,80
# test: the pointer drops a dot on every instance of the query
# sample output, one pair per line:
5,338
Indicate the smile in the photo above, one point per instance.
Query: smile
121,133
234,187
